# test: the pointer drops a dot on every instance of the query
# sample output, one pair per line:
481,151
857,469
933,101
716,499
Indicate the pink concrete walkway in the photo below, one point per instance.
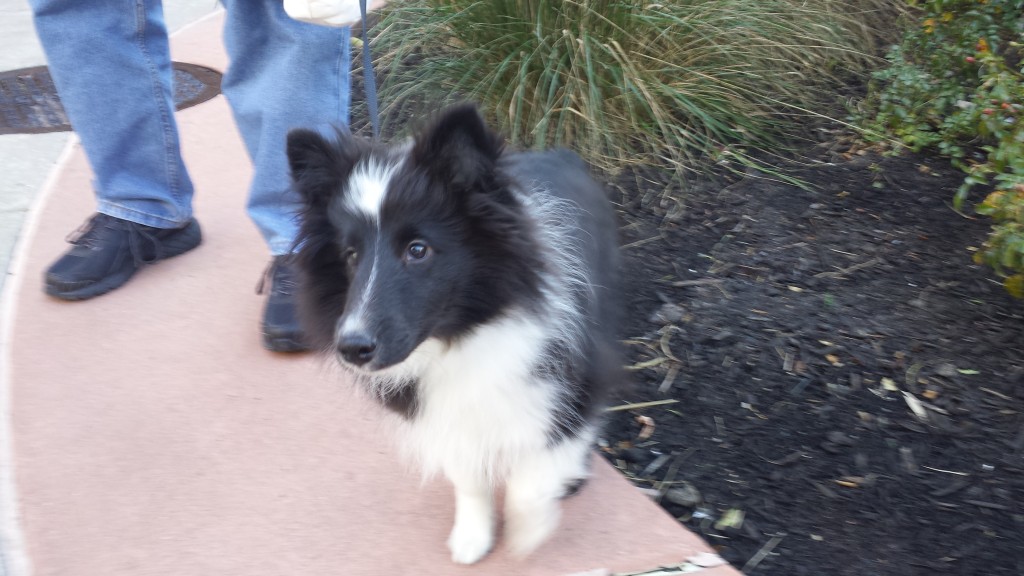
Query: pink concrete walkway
152,435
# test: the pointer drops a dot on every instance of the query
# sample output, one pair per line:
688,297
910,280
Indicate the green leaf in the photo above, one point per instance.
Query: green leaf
1015,285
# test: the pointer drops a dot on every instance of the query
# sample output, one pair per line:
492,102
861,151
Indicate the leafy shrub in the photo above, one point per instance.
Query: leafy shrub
626,81
955,84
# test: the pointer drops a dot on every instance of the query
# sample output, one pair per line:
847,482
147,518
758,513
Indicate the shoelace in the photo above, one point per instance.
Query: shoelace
88,233
83,235
136,233
282,278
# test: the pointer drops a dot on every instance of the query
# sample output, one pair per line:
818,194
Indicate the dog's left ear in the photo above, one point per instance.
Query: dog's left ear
319,165
459,148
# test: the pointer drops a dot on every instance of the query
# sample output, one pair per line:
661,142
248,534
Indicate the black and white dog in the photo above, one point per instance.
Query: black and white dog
473,292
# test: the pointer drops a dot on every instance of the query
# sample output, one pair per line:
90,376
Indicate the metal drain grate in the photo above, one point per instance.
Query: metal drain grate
29,103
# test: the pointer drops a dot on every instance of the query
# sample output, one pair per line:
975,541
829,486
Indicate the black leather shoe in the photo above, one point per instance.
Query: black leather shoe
281,329
108,251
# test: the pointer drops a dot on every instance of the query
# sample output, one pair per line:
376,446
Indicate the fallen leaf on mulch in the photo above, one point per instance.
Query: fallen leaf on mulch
855,481
916,407
733,518
848,482
890,384
1015,285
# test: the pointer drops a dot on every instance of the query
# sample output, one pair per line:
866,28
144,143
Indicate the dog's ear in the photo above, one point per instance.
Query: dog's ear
308,151
459,148
317,164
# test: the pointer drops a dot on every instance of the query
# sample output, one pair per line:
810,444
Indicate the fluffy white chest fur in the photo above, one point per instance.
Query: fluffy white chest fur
482,409
483,420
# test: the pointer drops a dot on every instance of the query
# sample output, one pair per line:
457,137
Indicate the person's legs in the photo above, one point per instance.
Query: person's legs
284,74
112,68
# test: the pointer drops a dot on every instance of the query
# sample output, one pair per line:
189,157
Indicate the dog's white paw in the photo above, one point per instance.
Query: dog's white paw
469,542
529,527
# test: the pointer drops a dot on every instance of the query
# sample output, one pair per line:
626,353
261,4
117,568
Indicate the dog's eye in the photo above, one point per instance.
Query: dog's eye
350,256
417,251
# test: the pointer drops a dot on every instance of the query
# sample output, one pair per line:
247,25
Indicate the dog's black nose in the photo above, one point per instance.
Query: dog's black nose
357,348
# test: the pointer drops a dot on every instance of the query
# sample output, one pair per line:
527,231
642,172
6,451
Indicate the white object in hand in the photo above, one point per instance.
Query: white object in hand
328,12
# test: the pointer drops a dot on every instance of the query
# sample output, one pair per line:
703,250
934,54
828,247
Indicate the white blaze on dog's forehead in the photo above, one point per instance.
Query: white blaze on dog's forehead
355,319
368,184
353,324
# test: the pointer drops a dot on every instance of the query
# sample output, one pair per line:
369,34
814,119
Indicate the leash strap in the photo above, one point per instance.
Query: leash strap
369,79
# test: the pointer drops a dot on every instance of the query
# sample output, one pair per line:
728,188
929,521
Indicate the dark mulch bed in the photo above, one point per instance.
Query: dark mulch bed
800,331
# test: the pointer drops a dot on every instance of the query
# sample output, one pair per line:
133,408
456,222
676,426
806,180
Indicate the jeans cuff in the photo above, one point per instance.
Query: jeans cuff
140,217
281,247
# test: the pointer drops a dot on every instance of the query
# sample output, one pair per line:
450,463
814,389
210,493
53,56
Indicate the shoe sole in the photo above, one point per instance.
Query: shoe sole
283,344
189,237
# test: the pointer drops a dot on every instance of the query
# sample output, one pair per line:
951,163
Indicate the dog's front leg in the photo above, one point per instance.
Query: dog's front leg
532,508
473,533
535,489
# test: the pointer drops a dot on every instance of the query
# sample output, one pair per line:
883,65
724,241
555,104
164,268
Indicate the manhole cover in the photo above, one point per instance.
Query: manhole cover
29,102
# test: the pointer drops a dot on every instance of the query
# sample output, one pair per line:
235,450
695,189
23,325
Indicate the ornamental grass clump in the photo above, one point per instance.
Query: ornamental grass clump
665,83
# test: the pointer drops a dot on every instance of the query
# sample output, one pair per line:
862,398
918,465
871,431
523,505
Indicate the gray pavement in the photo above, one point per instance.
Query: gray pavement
27,159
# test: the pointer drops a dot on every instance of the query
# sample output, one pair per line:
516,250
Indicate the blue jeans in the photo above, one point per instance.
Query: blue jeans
112,68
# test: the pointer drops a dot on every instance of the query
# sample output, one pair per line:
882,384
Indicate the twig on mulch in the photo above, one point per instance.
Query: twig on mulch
785,460
639,405
670,476
647,364
954,472
763,552
989,505
670,379
698,282
996,394
641,242
845,271
666,336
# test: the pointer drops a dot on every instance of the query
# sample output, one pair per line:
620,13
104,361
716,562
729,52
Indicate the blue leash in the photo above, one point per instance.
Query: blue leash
369,80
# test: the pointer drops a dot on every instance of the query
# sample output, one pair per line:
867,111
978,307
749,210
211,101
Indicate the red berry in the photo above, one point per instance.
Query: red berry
987,111
971,59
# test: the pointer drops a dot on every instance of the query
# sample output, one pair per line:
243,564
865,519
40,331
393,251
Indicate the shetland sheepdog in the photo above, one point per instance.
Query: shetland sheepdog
473,292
